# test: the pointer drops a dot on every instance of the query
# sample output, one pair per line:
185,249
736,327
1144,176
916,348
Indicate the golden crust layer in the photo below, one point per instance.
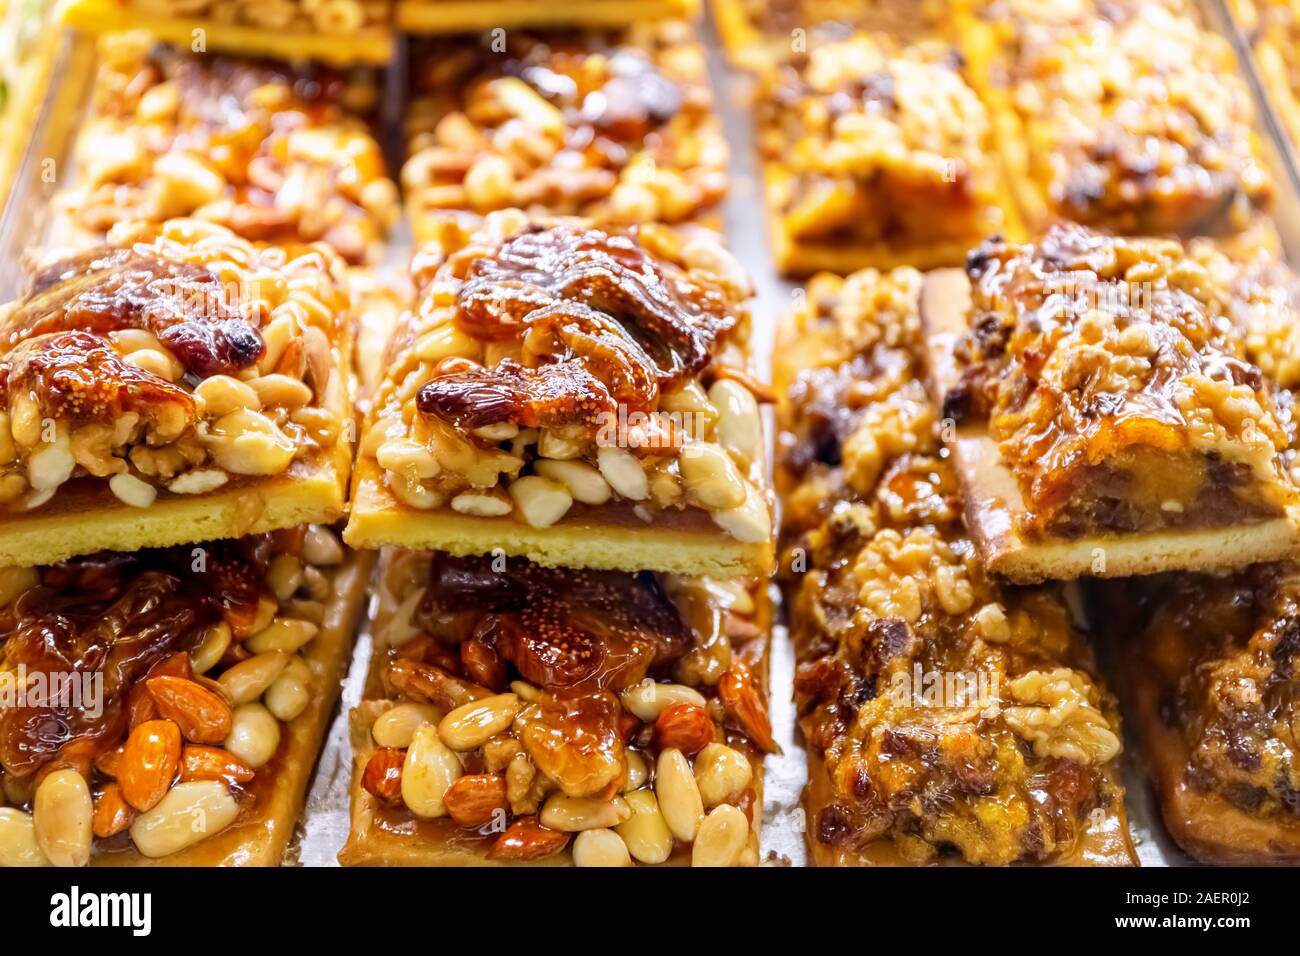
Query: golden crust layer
1106,412
462,16
518,799
947,716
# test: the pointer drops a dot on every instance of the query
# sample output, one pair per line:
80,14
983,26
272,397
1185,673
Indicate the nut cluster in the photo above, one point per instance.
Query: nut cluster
269,153
538,471
199,725
616,127
896,626
215,359
639,772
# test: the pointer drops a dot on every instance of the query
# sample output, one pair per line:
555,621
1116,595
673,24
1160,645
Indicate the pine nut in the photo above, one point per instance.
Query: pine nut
284,575
572,814
740,428
646,833
721,838
445,341
198,482
408,458
501,431
600,848
557,447
486,503
751,522
189,179
287,697
282,390
51,464
648,699
623,472
321,547
541,502
721,773
584,482
130,490
679,797
188,813
155,362
18,843
282,634
489,182
395,727
428,772
637,771
248,443
710,475
254,735
222,394
62,811
470,725
249,679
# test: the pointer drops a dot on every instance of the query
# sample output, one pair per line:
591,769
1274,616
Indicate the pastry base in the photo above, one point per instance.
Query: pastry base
462,16
613,538
260,836
374,46
994,505
85,517
1105,841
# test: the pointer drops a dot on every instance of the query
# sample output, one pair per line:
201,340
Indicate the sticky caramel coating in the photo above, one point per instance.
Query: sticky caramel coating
1118,386
886,588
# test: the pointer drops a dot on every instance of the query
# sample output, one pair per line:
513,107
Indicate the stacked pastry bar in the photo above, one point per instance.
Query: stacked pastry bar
876,151
615,125
947,715
341,32
1129,117
177,432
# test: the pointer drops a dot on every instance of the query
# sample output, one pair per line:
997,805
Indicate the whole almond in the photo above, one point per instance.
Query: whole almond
476,799
213,763
527,840
202,714
148,764
112,813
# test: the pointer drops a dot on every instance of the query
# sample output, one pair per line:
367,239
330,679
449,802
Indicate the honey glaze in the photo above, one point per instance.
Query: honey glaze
601,323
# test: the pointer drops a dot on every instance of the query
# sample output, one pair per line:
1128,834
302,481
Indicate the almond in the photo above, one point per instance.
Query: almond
108,762
213,763
112,813
527,840
687,727
475,799
747,709
202,715
382,778
149,763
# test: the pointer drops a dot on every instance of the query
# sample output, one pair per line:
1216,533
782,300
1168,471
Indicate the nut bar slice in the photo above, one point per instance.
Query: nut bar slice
178,384
947,717
519,714
340,32
575,396
1107,416
1124,116
615,125
276,153
876,153
1207,682
463,16
168,706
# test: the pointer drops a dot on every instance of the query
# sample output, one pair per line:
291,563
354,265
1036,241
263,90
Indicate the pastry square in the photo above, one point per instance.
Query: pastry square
1105,410
876,153
276,153
338,32
464,16
517,714
1204,680
1128,117
576,396
948,718
190,689
177,384
613,125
